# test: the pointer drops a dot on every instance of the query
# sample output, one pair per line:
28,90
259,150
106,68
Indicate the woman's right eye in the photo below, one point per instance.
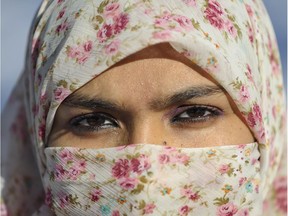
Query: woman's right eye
93,122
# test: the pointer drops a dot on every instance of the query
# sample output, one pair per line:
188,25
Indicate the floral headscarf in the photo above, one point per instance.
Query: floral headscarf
72,42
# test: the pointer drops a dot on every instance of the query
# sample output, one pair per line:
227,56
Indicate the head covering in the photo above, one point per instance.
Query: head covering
72,42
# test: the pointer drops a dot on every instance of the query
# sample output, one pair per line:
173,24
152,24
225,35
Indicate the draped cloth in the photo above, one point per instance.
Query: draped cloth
71,42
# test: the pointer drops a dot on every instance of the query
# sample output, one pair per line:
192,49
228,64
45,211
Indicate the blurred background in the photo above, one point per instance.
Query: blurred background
16,17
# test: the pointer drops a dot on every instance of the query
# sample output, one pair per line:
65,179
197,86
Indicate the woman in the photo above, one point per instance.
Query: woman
147,107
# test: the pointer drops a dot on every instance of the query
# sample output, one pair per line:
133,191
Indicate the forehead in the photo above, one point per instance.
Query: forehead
156,70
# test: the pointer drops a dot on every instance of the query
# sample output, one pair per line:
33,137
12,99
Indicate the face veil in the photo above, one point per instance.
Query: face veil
71,42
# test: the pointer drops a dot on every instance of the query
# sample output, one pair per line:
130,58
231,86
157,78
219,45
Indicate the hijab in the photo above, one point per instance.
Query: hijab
72,42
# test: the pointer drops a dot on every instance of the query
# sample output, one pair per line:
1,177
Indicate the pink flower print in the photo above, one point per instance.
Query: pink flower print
112,10
190,2
64,200
169,149
228,209
180,158
187,192
213,13
241,146
215,7
48,198
261,133
61,14
173,22
73,173
230,28
149,208
163,158
128,183
88,46
60,172
43,98
105,33
242,180
80,53
81,165
250,34
140,164
162,35
257,113
184,210
257,188
249,10
83,58
184,22
61,93
35,46
112,48
115,213
243,212
248,73
163,22
214,19
65,155
121,168
194,196
251,120
120,22
41,130
224,168
244,94
95,194
62,27
280,187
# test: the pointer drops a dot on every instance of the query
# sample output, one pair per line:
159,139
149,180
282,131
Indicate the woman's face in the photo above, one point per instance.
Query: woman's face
155,96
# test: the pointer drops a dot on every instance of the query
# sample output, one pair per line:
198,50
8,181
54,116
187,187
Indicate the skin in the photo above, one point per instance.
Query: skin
141,86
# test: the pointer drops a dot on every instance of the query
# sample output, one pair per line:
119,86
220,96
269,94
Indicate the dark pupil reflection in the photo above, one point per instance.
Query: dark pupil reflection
96,121
196,112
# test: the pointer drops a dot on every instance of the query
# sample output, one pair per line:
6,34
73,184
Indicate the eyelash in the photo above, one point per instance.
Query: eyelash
207,112
75,123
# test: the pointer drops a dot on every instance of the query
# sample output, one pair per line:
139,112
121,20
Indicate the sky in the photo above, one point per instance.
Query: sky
17,15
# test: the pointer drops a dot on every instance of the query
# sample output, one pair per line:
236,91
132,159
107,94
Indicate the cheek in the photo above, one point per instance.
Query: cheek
237,131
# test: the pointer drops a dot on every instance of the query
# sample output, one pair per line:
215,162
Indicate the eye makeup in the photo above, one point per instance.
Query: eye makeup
194,114
92,122
183,115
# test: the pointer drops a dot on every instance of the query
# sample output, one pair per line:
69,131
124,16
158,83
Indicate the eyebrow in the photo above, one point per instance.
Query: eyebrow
83,101
187,94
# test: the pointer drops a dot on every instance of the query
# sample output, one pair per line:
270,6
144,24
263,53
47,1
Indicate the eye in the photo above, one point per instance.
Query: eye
195,114
93,122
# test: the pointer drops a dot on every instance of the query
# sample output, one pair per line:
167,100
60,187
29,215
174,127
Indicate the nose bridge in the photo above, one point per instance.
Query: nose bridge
146,130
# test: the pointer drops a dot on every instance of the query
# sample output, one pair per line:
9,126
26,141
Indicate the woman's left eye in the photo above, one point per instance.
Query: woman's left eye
196,113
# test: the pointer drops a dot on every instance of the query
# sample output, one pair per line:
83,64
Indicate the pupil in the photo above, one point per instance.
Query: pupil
95,121
196,112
